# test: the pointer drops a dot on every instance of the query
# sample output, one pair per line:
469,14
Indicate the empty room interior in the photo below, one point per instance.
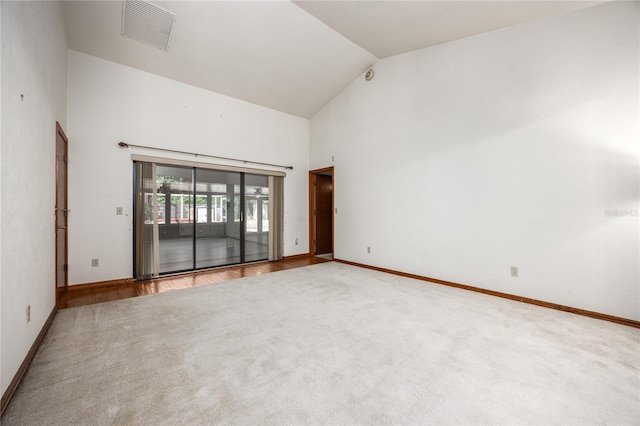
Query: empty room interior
386,212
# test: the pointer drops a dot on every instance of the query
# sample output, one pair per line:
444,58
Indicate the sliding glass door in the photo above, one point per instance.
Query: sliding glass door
256,207
191,218
217,218
175,217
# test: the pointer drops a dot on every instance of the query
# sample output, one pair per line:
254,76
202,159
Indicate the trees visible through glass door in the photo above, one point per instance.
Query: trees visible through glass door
176,212
191,218
256,200
217,224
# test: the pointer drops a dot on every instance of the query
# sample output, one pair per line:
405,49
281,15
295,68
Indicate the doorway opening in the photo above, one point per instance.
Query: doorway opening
321,209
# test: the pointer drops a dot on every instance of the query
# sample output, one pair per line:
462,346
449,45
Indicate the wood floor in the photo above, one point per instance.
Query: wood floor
88,295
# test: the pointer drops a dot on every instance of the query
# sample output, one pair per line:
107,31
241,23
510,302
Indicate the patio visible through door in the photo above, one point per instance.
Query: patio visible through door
196,218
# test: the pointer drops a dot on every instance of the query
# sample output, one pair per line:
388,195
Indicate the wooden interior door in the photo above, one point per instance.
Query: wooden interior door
324,216
321,211
61,212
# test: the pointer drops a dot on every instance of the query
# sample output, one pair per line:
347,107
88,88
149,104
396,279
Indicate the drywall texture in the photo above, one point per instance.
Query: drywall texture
109,103
517,147
2,387
34,90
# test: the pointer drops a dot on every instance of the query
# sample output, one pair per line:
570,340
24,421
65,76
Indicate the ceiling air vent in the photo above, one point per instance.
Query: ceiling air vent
147,23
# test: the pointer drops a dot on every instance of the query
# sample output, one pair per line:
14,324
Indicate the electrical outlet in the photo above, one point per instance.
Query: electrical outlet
28,313
95,263
514,271
119,211
296,241
368,249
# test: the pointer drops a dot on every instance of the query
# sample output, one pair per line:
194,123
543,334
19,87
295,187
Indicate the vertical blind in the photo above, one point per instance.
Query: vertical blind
276,222
145,221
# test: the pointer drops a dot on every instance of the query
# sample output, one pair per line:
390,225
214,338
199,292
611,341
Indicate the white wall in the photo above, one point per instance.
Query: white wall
2,386
34,63
517,147
109,103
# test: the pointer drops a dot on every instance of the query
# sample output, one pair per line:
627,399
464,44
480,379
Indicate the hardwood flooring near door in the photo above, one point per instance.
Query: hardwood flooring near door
88,295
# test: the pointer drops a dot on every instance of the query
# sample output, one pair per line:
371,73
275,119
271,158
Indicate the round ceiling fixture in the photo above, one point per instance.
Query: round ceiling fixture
369,74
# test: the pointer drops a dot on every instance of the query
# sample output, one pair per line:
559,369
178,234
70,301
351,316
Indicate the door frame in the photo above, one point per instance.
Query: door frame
245,178
60,290
312,202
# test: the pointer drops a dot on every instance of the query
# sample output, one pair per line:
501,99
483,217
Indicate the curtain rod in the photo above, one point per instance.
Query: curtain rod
129,145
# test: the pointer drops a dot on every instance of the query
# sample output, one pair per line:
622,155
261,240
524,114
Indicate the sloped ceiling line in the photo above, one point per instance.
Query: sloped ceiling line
293,57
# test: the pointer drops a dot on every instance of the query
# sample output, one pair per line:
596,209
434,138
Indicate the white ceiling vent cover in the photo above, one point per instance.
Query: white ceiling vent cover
147,23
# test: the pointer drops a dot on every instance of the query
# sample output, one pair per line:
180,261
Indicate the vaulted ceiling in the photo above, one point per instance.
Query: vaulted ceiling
289,56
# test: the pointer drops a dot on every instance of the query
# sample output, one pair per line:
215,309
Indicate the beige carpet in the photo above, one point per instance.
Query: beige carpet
329,344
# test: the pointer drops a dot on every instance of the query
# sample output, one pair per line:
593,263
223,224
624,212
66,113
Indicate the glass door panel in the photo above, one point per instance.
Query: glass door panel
217,233
191,218
256,204
176,214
